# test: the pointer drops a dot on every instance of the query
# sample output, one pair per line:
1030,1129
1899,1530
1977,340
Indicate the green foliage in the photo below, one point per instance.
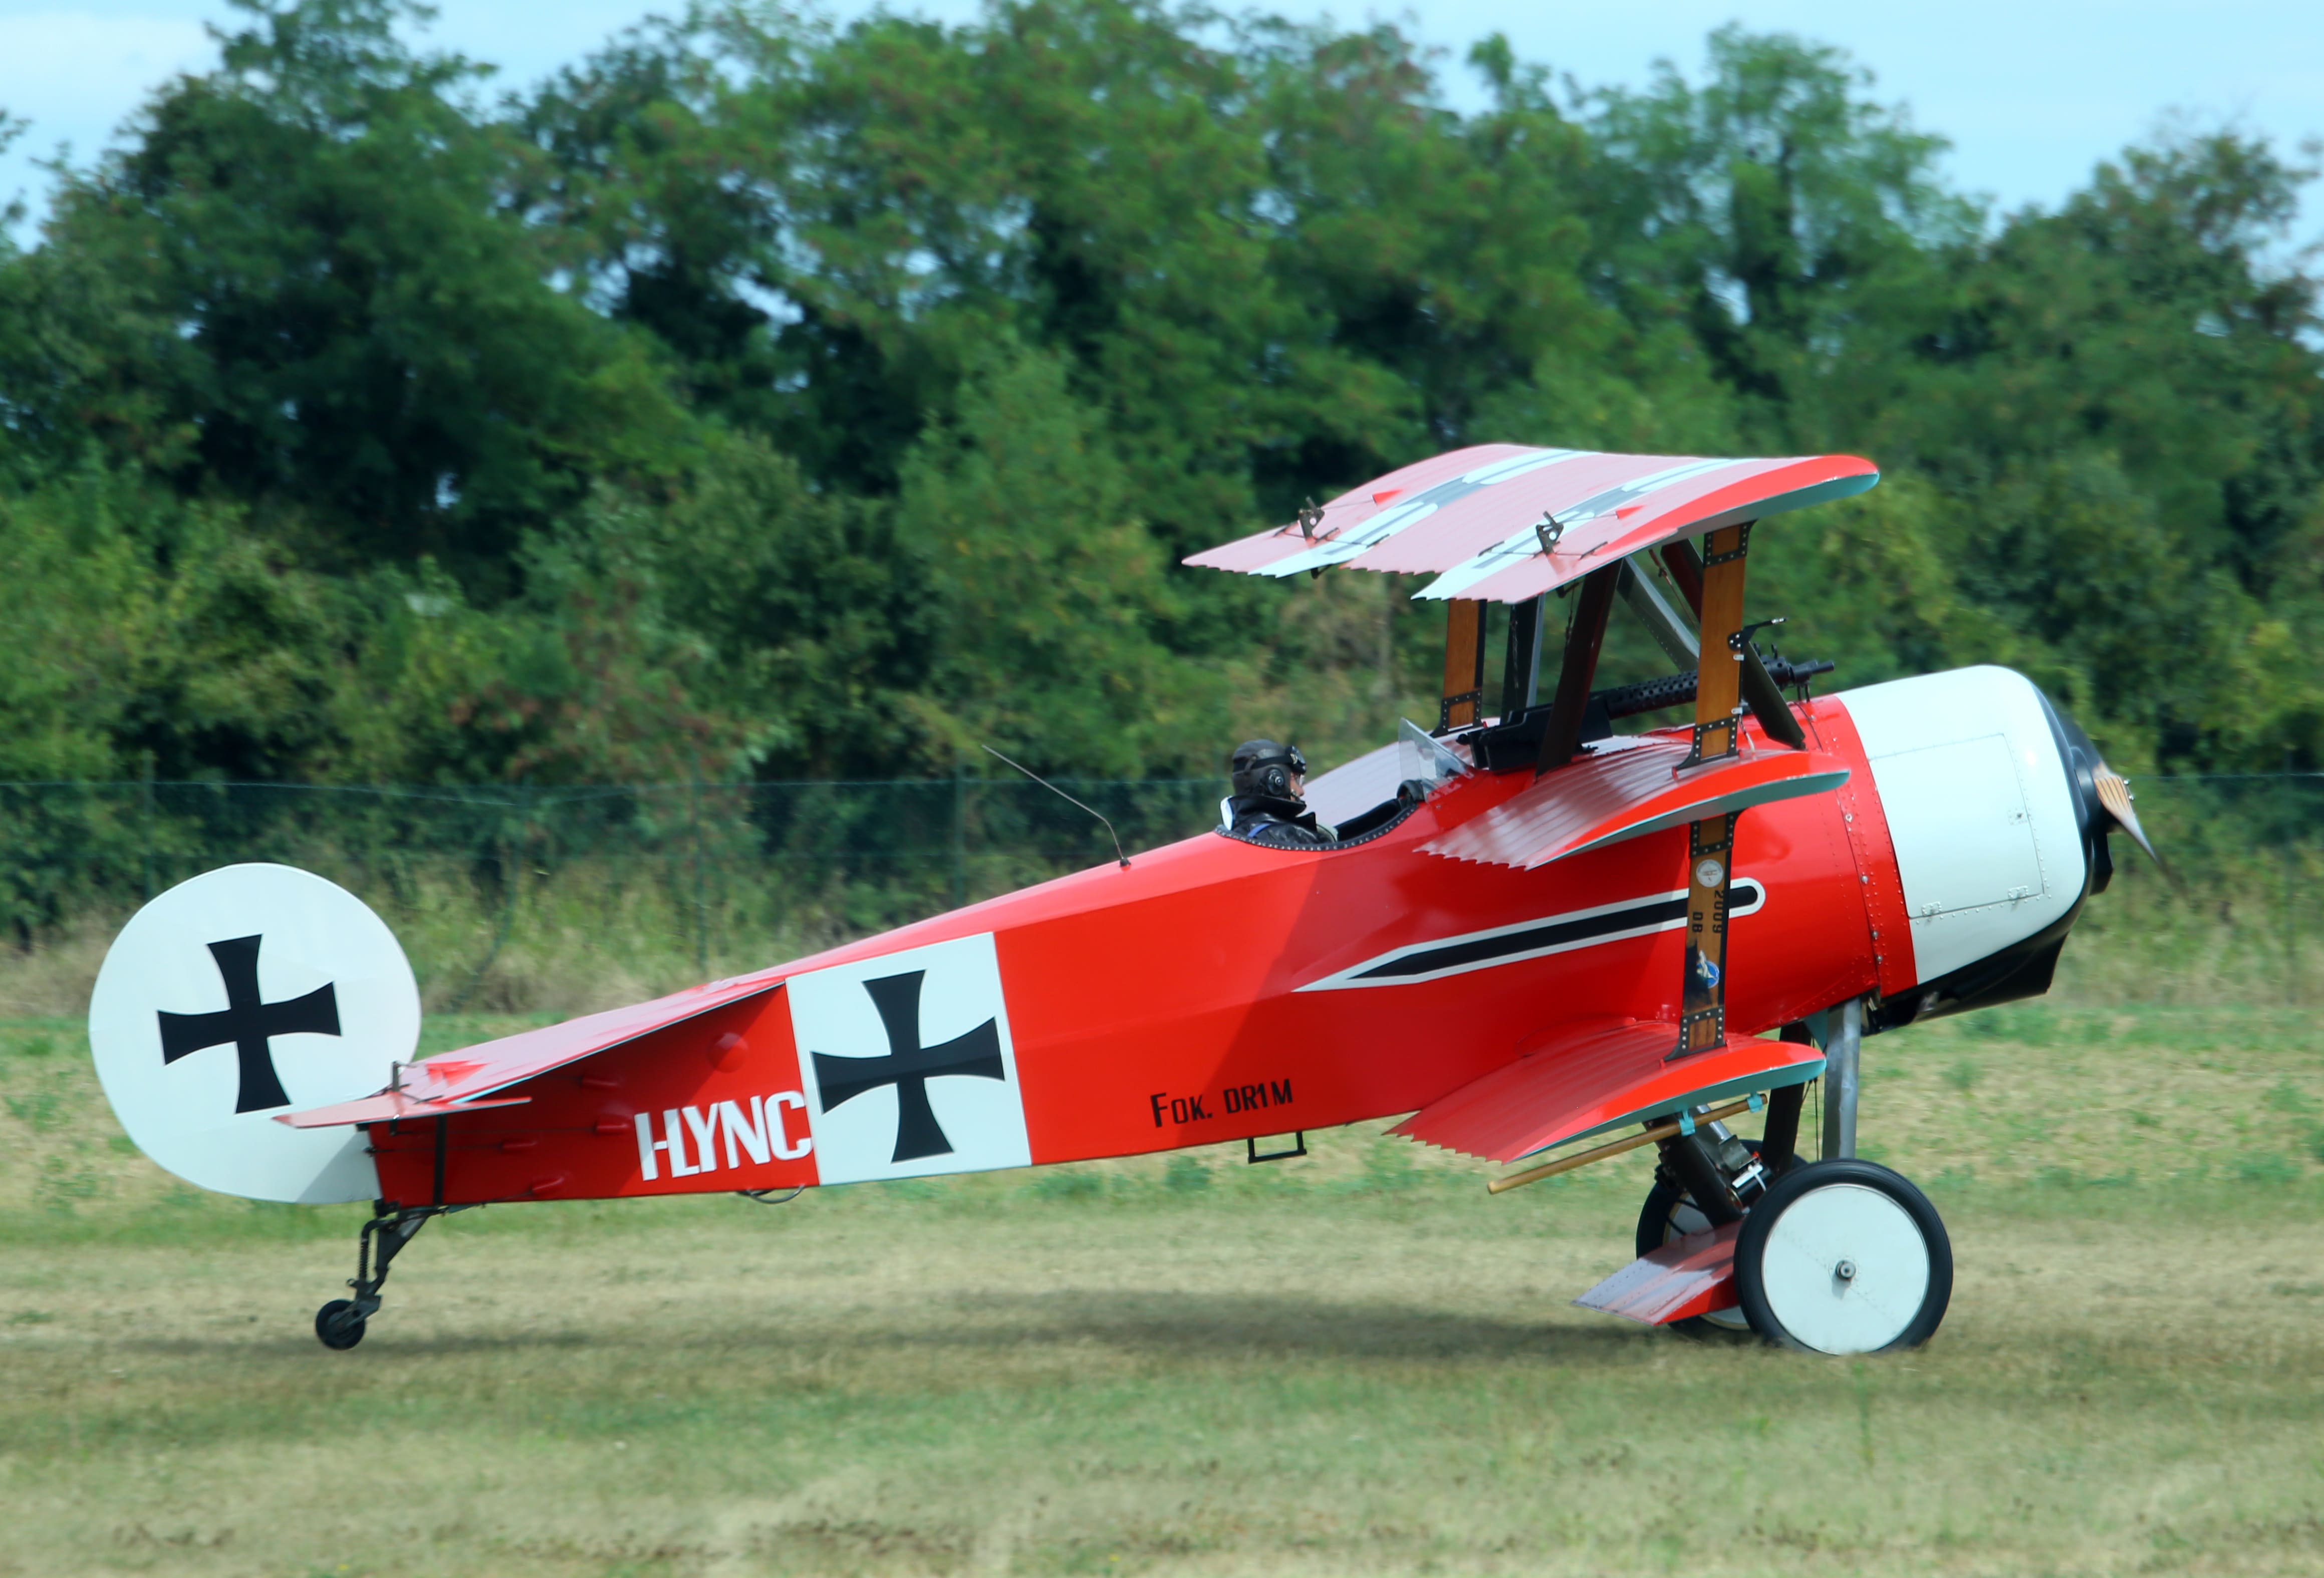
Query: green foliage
316,300
1049,596
768,397
1782,214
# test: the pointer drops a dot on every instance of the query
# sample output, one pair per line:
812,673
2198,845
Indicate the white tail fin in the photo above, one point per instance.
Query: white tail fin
250,990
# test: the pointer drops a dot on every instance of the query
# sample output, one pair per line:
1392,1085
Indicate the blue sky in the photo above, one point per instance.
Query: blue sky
2032,95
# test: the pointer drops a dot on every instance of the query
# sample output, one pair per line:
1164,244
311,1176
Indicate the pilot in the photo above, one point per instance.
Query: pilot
1269,804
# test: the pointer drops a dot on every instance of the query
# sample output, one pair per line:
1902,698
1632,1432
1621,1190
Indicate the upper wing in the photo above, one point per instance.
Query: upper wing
1471,517
458,1081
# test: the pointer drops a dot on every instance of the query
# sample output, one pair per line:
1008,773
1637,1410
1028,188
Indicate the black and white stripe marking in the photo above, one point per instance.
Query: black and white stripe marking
1532,939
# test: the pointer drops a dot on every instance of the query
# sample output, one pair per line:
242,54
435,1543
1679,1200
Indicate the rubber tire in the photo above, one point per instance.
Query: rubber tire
1654,1233
337,1325
1768,1211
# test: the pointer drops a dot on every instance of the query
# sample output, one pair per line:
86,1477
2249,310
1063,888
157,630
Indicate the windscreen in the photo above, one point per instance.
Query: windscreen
1422,756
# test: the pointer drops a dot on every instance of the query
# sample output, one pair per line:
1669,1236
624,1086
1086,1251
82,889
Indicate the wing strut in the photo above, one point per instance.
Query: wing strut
1760,691
1464,665
1718,737
1671,633
1584,635
1521,659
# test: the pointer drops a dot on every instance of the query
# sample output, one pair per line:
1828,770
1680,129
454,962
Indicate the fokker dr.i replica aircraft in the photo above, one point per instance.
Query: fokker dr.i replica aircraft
1532,931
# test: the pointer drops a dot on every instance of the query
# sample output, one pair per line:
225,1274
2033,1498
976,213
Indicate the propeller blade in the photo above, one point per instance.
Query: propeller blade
2114,794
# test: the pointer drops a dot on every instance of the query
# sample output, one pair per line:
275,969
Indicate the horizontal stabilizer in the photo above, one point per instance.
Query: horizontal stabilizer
387,1107
1628,792
1506,522
454,1081
1685,1277
1602,1075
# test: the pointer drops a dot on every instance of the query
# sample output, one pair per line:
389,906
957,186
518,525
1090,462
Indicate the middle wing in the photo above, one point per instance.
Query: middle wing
1625,790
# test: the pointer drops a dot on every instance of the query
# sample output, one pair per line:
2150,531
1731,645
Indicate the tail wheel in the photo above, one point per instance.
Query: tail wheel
1843,1256
339,1323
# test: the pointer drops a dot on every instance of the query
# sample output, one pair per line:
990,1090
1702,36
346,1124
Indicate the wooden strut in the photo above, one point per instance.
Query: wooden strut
1583,1159
1465,664
1585,634
1710,842
1710,871
1521,659
1761,693
1718,673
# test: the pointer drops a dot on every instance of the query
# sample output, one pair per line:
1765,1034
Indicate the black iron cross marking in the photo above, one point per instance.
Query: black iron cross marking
908,1066
249,1023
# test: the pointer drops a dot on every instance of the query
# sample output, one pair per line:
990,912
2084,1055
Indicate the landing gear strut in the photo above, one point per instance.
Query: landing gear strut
1836,1255
1731,1171
340,1323
1843,1049
1843,1255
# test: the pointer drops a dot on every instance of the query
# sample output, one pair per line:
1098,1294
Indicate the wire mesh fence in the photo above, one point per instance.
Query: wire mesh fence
510,898
677,879
2239,913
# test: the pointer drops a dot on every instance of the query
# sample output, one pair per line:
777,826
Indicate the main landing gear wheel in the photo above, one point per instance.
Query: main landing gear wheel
339,1323
1670,1214
1843,1256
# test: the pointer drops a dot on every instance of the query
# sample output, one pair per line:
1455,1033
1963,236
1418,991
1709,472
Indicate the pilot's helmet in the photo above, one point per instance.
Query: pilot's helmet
1266,767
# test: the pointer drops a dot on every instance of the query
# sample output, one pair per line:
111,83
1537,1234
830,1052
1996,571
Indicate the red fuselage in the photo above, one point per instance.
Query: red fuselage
1161,1006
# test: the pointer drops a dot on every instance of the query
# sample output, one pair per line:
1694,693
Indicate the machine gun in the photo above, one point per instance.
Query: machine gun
1506,746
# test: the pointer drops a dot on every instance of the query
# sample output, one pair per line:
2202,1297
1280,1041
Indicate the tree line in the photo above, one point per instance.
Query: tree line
762,397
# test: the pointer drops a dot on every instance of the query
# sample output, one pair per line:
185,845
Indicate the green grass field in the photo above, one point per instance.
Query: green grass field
1353,1363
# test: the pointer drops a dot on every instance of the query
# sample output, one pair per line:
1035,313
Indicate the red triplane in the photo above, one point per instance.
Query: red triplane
1571,933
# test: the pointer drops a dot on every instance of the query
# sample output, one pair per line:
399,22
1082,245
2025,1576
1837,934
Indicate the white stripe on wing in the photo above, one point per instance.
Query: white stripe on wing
1526,542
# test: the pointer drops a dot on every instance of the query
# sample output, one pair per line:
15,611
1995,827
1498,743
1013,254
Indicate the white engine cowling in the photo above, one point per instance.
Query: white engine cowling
1972,779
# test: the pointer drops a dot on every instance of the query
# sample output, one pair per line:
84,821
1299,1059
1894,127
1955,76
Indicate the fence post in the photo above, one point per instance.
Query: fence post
701,903
2291,889
149,825
959,837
